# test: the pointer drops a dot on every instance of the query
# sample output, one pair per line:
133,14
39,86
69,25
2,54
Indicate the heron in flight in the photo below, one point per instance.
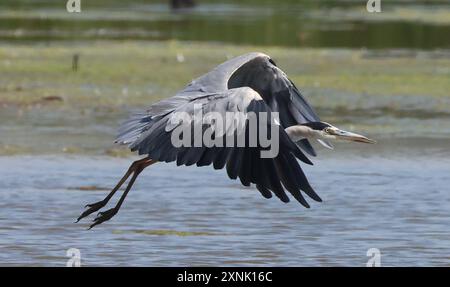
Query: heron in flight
250,83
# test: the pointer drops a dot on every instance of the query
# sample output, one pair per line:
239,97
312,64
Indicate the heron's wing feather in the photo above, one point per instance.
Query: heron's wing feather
281,95
274,86
215,81
275,174
254,70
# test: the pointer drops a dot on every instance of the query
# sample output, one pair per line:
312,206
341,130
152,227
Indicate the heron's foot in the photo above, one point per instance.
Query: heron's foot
104,216
93,207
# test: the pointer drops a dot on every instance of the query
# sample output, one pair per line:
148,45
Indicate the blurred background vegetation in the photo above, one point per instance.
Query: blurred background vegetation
304,23
73,77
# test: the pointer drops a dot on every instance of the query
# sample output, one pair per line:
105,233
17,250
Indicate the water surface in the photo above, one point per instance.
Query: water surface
178,216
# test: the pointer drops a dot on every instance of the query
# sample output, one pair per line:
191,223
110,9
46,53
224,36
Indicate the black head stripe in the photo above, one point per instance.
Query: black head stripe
317,125
272,62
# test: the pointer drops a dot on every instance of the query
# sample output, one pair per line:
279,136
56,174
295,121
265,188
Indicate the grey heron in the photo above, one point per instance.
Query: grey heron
247,83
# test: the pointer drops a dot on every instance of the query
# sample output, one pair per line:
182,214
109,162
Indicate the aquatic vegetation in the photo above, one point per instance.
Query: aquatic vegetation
134,74
41,96
437,15
307,23
118,152
6,149
89,188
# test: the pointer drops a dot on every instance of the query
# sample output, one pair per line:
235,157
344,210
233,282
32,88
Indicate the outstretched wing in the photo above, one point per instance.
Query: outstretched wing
281,95
270,175
254,70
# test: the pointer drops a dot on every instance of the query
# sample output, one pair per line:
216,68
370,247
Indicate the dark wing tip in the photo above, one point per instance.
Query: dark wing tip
264,191
311,193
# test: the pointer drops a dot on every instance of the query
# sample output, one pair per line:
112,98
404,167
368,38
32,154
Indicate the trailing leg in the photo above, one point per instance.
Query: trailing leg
108,214
93,207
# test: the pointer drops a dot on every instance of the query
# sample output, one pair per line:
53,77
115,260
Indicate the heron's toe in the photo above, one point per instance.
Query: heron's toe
104,216
93,207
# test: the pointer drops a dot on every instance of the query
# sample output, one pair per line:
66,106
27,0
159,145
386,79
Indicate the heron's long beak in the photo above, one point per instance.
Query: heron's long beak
349,136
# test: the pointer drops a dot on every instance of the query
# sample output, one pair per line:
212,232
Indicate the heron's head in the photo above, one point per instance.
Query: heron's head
323,132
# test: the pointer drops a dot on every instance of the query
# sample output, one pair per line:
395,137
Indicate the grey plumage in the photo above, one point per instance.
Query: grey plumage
248,83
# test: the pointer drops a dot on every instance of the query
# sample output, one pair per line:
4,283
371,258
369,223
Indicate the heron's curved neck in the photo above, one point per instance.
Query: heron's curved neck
299,132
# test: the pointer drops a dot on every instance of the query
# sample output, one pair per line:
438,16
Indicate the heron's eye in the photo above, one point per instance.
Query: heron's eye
326,130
